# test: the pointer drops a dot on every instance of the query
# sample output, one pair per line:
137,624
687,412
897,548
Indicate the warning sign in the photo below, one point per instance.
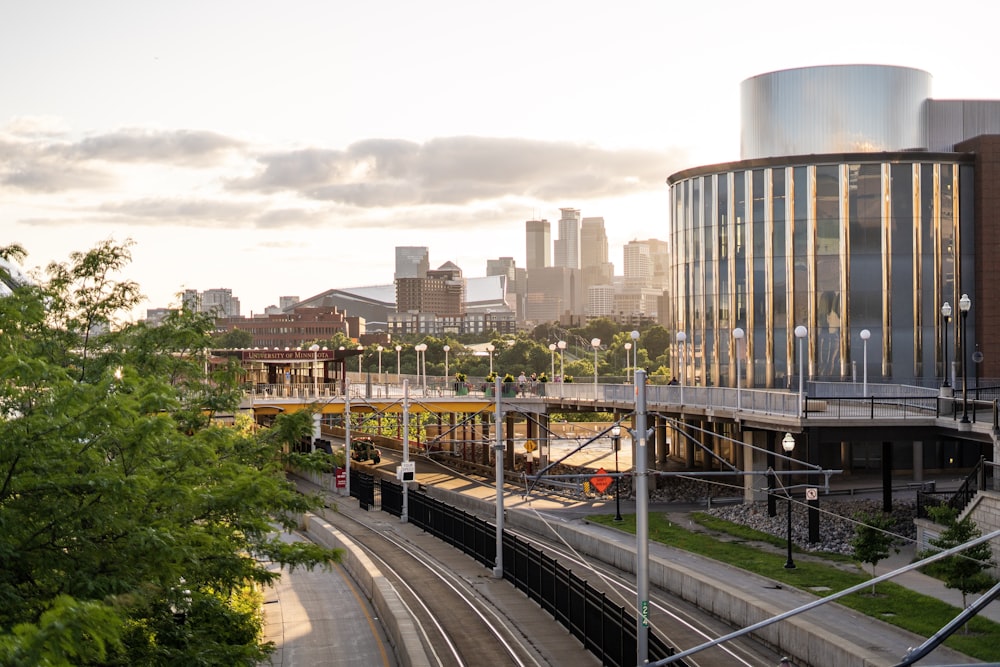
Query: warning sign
601,480
530,446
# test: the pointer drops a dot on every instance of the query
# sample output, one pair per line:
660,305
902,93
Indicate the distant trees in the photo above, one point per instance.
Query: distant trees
134,525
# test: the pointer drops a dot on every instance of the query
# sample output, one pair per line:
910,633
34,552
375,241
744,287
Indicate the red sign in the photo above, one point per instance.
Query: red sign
601,480
341,478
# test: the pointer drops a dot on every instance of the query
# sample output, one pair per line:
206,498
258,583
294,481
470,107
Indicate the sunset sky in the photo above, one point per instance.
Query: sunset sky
287,148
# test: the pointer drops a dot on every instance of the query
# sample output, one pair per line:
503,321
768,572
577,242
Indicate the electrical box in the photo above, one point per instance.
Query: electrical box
407,472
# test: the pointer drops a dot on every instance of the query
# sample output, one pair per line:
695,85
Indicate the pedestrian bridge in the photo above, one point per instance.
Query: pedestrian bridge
839,405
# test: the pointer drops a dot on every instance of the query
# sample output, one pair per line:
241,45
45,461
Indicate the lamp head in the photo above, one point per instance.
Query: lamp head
596,342
788,443
561,344
681,336
738,333
946,310
552,347
964,304
446,348
398,348
314,347
865,334
628,346
634,335
616,431
801,331
379,348
490,347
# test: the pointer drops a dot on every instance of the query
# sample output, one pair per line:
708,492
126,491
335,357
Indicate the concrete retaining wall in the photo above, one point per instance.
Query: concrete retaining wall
396,619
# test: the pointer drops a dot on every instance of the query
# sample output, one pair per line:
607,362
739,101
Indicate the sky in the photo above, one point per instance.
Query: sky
286,148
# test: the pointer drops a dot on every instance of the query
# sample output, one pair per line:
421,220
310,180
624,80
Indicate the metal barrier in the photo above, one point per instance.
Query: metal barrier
605,629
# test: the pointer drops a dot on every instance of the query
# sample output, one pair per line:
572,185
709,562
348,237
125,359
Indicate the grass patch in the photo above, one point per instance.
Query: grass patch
893,603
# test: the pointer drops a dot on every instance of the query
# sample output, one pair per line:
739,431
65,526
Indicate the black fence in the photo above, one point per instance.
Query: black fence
365,488
605,629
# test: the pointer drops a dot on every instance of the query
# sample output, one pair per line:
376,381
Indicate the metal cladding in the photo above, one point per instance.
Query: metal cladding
834,109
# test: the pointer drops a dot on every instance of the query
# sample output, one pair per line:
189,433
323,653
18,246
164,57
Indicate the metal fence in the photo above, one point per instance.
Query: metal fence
605,629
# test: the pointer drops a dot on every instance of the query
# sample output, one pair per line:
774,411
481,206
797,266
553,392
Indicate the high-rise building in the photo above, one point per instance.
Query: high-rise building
553,292
538,244
440,292
567,246
411,262
638,264
516,281
595,269
219,302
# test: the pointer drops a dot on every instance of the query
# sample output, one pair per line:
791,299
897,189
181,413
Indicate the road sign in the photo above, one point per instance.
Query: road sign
341,478
601,480
530,446
812,493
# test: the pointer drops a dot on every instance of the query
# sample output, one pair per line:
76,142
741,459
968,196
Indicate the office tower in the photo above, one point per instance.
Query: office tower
411,262
594,265
538,244
515,282
593,242
567,246
638,265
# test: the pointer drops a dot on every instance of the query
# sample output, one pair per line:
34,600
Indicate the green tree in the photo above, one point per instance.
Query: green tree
233,340
873,540
964,571
126,506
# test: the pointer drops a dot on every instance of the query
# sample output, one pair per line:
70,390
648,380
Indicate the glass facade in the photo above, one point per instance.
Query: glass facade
840,246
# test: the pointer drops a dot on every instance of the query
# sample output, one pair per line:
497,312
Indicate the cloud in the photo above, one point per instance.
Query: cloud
35,159
186,147
459,170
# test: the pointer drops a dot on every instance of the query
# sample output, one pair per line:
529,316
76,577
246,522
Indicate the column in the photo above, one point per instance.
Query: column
754,460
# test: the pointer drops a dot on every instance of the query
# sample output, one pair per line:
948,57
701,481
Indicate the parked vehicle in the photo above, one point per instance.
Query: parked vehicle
363,449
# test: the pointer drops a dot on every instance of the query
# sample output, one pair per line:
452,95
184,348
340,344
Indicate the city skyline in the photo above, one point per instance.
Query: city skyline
278,150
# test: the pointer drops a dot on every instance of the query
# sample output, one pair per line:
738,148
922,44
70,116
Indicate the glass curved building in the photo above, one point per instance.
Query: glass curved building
859,203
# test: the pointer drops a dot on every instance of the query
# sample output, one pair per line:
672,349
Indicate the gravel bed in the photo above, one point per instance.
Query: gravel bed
836,524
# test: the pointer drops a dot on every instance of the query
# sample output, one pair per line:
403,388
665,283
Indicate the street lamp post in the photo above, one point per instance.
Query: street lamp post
379,350
562,357
315,350
628,358
738,335
361,353
489,348
635,349
421,349
800,333
447,349
964,305
595,343
946,314
616,439
398,348
788,444
865,335
552,361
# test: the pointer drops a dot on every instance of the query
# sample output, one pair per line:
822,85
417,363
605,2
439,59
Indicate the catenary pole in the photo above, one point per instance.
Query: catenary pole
641,485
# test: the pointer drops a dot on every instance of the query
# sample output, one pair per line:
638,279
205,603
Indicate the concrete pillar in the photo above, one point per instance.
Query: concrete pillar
317,427
886,476
544,439
754,460
918,461
688,452
509,436
662,449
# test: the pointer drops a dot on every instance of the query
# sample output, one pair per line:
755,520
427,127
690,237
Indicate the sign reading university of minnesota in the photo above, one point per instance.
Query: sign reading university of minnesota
286,355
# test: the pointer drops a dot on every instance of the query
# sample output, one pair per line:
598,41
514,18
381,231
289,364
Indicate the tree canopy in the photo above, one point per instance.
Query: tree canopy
135,522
